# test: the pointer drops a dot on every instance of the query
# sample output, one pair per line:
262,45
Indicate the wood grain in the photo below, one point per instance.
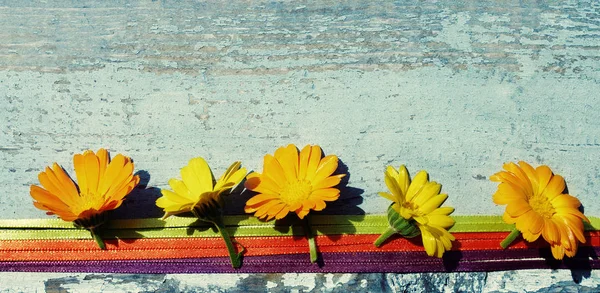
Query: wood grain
453,87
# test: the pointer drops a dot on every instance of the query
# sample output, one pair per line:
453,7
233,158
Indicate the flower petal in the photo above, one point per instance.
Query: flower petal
273,170
303,161
103,161
551,233
111,173
403,179
92,171
259,198
433,203
391,181
327,194
301,213
327,166
442,211
416,185
517,208
313,162
65,183
80,172
544,176
565,201
282,213
440,221
429,190
319,205
507,192
388,196
262,211
537,223
274,210
555,187
54,186
203,174
181,189
49,200
232,177
261,184
328,182
288,159
520,175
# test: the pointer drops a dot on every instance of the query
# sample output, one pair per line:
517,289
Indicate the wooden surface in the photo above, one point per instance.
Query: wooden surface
453,87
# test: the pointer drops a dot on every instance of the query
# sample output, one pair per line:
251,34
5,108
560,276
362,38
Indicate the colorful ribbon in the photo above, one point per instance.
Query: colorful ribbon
184,245
240,226
365,262
67,250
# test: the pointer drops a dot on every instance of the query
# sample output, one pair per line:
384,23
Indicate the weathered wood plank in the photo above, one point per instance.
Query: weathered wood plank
453,87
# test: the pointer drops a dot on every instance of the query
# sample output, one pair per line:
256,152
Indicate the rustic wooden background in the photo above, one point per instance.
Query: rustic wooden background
453,87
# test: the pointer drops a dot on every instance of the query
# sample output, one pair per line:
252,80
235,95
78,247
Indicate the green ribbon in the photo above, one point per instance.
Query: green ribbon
239,226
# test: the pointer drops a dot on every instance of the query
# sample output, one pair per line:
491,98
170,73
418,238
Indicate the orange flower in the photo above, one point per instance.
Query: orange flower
293,182
102,185
536,204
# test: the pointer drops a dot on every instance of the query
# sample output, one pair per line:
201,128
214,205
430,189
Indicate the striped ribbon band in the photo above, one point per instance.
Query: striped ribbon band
360,262
165,248
240,226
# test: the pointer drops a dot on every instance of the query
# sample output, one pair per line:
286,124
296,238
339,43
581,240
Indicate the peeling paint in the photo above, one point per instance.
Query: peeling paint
299,282
452,87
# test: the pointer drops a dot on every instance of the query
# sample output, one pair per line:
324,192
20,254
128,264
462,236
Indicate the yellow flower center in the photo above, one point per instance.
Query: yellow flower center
87,202
410,211
296,192
541,205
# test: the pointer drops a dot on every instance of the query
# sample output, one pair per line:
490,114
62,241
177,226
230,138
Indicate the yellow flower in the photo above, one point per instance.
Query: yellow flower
102,185
535,202
200,194
197,192
418,202
293,181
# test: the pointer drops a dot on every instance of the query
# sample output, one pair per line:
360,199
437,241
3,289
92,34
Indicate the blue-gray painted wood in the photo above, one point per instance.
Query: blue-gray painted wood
453,87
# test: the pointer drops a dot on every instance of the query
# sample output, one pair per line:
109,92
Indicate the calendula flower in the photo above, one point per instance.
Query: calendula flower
296,182
535,202
416,210
102,184
200,194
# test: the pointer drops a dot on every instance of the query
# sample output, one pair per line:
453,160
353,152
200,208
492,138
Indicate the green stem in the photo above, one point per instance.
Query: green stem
312,244
234,256
510,238
97,238
389,232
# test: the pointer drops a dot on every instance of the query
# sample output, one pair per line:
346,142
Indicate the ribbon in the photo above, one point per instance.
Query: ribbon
73,250
368,262
240,226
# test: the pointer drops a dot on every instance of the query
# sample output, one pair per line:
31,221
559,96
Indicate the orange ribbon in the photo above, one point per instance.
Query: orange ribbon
169,248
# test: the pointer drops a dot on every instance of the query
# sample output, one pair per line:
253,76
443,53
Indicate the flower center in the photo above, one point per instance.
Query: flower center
87,203
541,205
296,192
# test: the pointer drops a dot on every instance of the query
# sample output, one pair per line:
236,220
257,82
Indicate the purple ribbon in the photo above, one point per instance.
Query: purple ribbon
361,262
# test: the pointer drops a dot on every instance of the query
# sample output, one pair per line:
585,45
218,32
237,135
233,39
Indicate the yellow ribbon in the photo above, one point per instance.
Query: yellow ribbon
239,226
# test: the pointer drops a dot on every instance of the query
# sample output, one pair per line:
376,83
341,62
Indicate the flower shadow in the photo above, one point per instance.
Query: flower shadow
346,208
139,203
580,265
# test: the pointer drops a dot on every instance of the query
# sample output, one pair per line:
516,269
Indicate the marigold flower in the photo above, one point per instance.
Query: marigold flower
102,185
293,181
535,202
296,182
417,204
200,194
